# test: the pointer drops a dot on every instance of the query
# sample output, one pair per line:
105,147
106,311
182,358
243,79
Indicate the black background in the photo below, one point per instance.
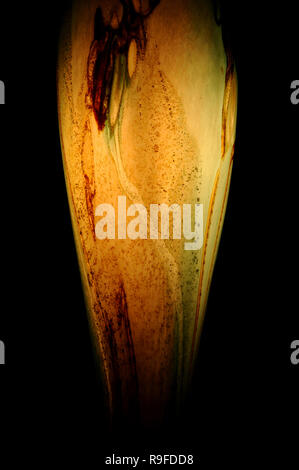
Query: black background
245,395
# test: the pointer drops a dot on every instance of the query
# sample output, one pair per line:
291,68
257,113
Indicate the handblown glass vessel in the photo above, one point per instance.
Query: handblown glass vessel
147,101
